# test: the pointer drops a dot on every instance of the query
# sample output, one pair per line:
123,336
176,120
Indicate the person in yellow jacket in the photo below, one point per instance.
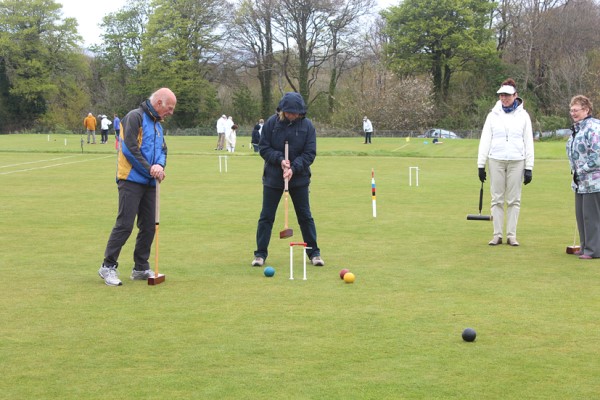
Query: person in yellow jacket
89,123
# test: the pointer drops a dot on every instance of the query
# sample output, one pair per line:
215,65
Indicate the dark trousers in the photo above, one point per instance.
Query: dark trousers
368,137
104,135
139,201
587,213
300,199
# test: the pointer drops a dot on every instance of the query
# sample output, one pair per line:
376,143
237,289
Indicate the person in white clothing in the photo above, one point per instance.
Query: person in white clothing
368,129
104,127
221,128
228,129
232,139
506,145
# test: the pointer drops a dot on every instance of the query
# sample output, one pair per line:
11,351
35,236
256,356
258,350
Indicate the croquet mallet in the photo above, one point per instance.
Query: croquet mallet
575,249
286,232
479,217
158,278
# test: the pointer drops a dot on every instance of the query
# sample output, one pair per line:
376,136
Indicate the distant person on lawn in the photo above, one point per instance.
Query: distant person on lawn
89,123
368,129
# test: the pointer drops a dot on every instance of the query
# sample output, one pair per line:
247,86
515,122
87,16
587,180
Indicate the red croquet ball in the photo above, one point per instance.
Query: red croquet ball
343,272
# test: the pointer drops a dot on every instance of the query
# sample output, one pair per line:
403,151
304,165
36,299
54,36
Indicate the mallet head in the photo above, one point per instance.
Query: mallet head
573,249
156,280
286,233
478,217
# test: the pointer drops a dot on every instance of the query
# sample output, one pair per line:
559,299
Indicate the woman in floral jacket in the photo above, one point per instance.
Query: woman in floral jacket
583,150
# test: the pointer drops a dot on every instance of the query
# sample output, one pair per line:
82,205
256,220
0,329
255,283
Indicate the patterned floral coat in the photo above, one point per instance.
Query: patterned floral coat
583,150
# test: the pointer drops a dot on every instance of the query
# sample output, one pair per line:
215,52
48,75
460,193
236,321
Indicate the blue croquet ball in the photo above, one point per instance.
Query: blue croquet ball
269,272
469,335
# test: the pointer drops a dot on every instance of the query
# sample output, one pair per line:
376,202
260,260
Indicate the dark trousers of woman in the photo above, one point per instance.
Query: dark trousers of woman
104,133
135,200
300,199
587,213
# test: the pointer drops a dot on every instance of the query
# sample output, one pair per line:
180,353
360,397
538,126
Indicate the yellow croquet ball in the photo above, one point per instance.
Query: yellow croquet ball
349,277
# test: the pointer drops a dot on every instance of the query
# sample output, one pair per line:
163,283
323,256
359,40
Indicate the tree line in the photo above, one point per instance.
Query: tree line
412,66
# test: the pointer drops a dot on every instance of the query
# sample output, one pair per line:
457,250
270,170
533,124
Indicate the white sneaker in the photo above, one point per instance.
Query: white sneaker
317,261
496,240
110,275
258,262
141,275
511,241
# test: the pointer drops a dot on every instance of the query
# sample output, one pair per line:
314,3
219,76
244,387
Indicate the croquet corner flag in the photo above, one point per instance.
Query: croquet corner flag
373,197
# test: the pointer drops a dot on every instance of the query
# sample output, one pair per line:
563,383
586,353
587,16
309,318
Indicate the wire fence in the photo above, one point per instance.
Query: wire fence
324,132
321,132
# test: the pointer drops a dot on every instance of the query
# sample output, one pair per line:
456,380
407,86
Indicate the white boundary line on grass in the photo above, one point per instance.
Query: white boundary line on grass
54,165
401,147
34,162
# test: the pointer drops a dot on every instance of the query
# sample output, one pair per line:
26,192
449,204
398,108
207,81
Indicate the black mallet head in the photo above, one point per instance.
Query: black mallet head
479,217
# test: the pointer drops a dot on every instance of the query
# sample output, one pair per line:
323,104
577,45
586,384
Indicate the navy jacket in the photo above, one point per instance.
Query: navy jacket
302,139
256,134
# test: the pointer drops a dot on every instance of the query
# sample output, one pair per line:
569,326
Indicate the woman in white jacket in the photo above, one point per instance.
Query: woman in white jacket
506,145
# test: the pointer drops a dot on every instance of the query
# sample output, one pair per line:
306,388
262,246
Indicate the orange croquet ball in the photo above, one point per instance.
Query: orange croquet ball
349,277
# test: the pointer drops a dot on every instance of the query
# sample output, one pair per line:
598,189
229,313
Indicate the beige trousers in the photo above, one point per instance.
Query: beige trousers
506,179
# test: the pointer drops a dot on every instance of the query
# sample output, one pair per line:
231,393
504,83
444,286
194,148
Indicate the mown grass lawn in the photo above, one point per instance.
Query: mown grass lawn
218,329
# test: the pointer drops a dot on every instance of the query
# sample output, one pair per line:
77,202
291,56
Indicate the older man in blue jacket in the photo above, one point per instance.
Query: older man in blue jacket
140,166
290,125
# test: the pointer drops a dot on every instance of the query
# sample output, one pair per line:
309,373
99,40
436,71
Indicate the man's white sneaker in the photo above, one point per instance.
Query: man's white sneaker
110,275
141,275
317,261
258,262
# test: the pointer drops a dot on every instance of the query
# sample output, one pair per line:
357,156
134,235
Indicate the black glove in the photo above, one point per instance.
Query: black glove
482,175
528,176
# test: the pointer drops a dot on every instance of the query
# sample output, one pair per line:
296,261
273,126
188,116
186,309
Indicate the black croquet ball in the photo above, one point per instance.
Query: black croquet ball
469,335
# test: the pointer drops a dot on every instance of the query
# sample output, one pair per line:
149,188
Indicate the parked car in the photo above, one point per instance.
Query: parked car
556,133
440,134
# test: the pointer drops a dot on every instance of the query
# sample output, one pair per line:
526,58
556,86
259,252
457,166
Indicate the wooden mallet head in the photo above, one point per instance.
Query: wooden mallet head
573,249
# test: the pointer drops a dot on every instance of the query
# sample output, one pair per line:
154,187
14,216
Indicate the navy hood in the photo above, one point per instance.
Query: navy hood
292,102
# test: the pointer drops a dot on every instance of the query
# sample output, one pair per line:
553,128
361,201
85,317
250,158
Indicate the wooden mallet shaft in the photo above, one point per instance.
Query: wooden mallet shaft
286,232
158,278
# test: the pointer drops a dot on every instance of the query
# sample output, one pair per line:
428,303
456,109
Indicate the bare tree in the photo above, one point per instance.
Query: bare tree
550,40
253,29
520,27
342,24
301,27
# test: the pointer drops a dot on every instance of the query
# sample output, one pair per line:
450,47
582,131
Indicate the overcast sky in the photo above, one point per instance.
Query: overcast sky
89,14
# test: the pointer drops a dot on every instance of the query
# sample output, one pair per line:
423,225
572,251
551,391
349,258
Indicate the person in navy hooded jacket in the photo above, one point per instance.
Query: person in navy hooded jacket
290,125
